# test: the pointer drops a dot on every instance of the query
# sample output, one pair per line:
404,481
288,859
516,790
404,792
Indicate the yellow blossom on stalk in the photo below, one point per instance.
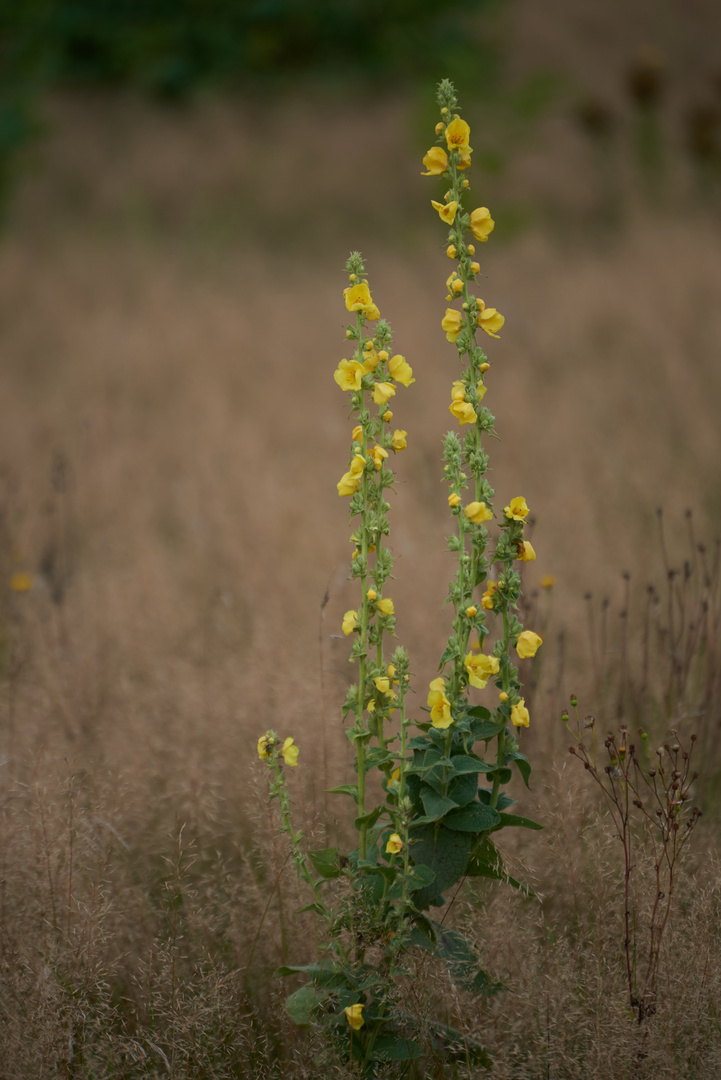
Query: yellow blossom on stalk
354,1016
387,416
458,134
386,607
454,500
478,512
394,845
548,581
463,411
446,212
528,644
395,778
350,622
487,598
480,668
458,390
399,440
348,485
481,223
382,392
454,284
290,752
451,251
382,683
348,375
370,361
475,268
439,704
357,435
371,594
481,390
378,454
489,319
358,298
21,581
401,370
472,611
452,323
516,509
435,161
519,714
265,746
503,696
526,552
465,161
392,671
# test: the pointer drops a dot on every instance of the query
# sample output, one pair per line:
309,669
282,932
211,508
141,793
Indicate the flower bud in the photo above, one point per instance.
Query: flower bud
457,285
351,277
464,182
451,251
444,110
503,696
475,268
387,416
484,367
471,249
383,356
440,127
371,594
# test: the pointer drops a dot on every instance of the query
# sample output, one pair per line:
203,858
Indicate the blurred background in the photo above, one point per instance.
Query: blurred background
180,186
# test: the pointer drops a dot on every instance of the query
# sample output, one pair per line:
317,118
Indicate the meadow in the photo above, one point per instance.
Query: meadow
171,318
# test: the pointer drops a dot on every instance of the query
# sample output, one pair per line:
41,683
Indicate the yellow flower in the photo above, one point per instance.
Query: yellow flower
386,607
478,512
452,323
454,500
348,484
526,552
472,611
528,644
354,1016
382,391
516,509
454,284
548,581
357,435
348,375
503,697
383,355
487,599
489,319
446,212
21,581
392,671
378,454
399,441
480,668
475,268
350,622
265,746
481,390
387,416
358,298
465,162
519,714
394,845
435,161
463,411
382,683
458,390
458,134
290,752
401,370
439,705
482,224
451,251
370,361
371,594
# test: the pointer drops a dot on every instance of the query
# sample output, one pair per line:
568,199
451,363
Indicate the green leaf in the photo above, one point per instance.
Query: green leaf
474,818
445,853
345,789
486,729
325,861
395,1048
465,763
463,789
301,1004
503,773
420,877
435,805
484,796
514,819
486,861
370,818
524,766
463,961
480,712
376,756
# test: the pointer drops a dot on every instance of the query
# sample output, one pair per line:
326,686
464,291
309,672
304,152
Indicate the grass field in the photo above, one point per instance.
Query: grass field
171,443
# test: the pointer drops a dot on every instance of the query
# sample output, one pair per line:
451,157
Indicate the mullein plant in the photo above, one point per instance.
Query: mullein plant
442,783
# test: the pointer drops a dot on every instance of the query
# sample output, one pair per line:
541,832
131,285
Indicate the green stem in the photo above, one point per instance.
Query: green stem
501,757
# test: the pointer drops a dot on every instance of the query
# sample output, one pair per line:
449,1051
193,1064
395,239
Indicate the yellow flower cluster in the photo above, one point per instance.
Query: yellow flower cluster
439,705
289,750
350,481
480,668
